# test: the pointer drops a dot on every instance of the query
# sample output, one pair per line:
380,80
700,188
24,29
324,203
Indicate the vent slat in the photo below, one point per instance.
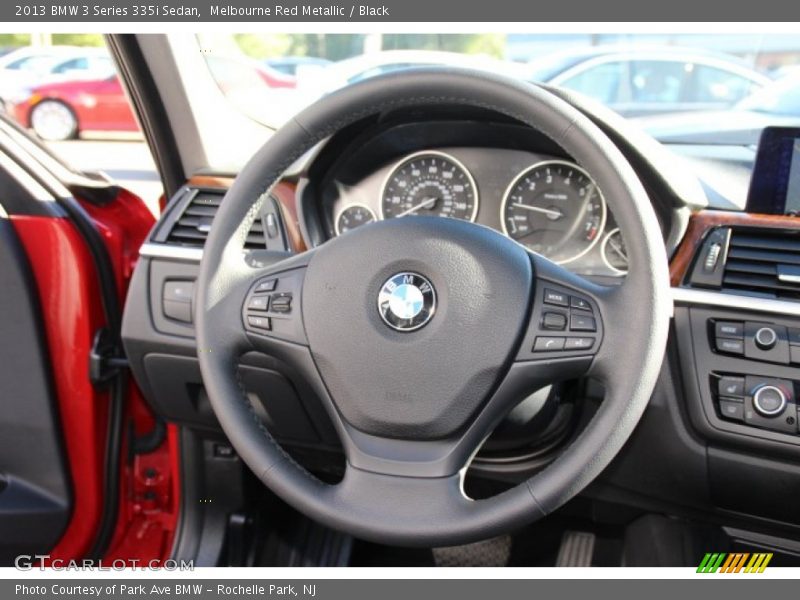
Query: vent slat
741,266
754,260
767,256
191,228
766,243
200,211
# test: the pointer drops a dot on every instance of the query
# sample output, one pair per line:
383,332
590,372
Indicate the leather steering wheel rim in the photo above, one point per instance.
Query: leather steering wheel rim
382,498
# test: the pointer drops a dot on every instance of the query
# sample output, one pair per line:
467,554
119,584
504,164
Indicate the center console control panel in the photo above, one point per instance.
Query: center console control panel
757,340
746,381
757,401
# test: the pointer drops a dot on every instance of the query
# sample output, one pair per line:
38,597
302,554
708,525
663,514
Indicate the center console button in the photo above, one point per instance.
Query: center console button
731,386
731,410
730,346
729,329
766,338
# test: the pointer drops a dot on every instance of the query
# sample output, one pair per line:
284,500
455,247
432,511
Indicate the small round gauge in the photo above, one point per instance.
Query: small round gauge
615,255
555,209
352,216
432,184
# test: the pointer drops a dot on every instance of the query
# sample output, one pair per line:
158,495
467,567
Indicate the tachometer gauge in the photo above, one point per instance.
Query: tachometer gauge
432,184
615,255
352,216
555,209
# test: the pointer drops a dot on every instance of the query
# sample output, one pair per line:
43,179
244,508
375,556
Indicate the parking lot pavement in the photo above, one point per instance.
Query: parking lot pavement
129,163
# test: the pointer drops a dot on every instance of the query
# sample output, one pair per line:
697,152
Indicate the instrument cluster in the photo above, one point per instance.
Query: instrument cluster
549,205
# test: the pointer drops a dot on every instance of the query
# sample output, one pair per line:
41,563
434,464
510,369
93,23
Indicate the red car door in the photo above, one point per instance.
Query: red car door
72,482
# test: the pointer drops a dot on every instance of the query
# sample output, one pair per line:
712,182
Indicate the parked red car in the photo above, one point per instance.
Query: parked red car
60,110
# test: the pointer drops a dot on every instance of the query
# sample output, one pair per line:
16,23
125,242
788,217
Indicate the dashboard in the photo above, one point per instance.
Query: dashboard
521,187
707,428
549,205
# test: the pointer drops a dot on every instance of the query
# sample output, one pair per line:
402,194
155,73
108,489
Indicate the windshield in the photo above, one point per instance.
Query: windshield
638,76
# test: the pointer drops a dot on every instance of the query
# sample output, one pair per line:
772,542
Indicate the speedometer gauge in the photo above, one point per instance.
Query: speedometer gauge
432,184
555,209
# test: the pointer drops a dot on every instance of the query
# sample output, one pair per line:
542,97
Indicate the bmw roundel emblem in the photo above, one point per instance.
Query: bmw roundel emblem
407,301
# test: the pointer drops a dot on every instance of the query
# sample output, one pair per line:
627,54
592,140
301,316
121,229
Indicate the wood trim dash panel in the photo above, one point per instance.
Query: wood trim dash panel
701,222
283,191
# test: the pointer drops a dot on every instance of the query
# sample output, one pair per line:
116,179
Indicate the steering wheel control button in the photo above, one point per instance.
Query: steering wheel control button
580,303
731,410
267,310
263,323
407,301
578,322
556,298
769,401
548,344
729,329
267,285
258,303
281,303
732,387
730,346
559,308
766,338
554,321
578,343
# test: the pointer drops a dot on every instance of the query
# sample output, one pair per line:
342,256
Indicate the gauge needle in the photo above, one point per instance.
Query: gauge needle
555,214
424,204
618,249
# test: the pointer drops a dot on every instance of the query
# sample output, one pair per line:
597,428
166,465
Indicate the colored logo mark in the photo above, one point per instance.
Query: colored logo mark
738,562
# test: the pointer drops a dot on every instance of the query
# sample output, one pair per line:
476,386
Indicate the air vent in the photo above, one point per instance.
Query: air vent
763,263
192,226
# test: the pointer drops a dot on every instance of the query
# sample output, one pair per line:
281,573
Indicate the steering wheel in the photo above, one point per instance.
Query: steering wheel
420,334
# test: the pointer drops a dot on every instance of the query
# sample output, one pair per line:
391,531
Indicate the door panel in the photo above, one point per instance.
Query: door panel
35,500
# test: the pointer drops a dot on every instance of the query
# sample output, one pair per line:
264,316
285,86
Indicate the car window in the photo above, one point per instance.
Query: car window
29,63
659,81
604,82
72,65
715,85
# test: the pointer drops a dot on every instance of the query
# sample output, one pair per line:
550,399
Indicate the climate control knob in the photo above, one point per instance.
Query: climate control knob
769,401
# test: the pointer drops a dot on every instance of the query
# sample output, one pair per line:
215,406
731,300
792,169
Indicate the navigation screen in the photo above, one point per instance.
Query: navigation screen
793,184
775,184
